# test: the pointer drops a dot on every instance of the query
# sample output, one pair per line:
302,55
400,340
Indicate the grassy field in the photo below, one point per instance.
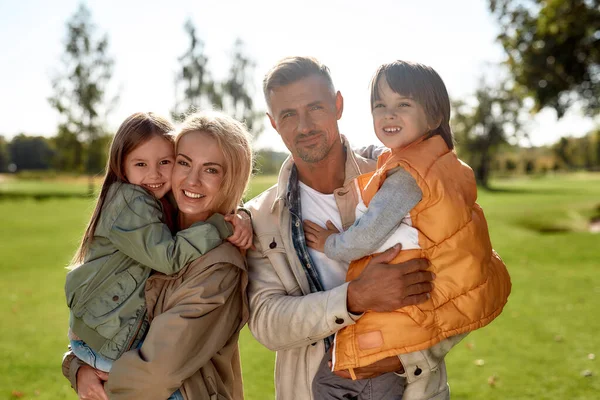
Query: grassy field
538,349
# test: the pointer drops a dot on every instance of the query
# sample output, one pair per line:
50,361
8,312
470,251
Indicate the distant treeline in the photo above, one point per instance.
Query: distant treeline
38,153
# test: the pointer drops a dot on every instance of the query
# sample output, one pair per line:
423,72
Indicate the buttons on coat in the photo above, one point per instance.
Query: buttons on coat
418,371
115,298
273,244
339,321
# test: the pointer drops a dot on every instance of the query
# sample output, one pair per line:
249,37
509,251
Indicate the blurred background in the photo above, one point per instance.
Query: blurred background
524,79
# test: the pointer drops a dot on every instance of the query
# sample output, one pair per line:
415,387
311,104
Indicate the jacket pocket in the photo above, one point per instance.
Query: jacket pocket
272,248
117,291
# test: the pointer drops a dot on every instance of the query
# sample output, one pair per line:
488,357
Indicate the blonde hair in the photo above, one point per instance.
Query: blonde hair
136,130
234,141
422,84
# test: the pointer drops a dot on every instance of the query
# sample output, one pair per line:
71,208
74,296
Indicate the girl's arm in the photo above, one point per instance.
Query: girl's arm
397,196
137,230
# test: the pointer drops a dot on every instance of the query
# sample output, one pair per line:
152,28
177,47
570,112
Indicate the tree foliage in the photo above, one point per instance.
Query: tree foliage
4,157
195,87
482,126
80,92
30,152
553,49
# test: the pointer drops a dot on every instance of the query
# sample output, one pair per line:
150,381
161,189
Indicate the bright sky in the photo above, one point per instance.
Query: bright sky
351,37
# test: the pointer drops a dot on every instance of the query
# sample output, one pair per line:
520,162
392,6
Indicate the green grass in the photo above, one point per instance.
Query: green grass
536,349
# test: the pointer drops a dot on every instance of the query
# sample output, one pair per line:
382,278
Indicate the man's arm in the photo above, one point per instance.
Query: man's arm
282,321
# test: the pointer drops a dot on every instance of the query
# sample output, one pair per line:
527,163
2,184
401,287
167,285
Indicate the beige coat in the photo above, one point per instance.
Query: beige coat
285,316
196,316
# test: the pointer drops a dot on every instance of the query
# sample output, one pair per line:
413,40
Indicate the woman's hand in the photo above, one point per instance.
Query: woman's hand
242,230
317,236
90,383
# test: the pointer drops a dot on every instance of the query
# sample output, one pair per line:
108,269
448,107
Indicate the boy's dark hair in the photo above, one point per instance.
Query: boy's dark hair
422,84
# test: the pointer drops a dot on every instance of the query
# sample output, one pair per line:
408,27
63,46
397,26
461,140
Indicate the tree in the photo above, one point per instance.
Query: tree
4,158
194,86
237,90
483,126
553,49
196,89
30,152
80,92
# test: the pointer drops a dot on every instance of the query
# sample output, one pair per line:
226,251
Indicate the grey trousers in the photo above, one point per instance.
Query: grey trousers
326,385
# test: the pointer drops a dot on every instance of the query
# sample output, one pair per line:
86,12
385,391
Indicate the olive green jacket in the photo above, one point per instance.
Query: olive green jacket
106,292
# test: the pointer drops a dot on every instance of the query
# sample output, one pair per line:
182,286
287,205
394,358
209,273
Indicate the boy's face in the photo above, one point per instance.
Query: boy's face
150,164
398,120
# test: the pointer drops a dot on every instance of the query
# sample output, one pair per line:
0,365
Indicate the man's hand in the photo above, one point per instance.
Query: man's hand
317,236
242,230
386,287
90,383
390,364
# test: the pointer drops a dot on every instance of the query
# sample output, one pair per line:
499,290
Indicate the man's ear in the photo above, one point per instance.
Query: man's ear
272,121
339,104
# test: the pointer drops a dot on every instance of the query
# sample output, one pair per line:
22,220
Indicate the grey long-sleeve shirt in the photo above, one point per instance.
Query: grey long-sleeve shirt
397,196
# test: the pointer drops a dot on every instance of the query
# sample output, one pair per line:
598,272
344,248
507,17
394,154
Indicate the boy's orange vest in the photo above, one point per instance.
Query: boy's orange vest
471,285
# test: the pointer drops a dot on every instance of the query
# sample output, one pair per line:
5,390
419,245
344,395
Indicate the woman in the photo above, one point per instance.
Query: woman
195,315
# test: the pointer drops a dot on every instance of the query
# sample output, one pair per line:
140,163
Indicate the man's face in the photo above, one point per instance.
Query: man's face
305,114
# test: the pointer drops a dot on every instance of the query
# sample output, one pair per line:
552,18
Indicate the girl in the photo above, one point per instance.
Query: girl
423,197
129,236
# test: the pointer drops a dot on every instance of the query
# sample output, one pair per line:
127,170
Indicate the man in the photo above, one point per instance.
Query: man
298,297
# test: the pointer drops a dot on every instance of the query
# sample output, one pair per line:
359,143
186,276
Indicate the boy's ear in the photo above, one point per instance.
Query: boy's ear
436,124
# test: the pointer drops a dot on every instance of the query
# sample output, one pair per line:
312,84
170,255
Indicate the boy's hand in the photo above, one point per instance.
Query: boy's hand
242,230
317,236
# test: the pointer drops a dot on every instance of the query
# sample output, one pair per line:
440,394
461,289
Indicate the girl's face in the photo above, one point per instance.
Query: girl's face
150,165
197,175
398,120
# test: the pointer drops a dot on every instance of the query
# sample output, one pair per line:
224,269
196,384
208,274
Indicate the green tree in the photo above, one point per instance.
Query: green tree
237,90
194,87
80,92
482,126
553,49
4,158
30,152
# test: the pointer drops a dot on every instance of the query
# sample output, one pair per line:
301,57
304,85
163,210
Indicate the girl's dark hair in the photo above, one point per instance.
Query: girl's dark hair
422,84
137,129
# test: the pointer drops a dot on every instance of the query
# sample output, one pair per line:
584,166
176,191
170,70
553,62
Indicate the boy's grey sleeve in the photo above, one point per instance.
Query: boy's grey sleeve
397,196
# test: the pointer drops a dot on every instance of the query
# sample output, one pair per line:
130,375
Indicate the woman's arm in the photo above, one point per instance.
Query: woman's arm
200,317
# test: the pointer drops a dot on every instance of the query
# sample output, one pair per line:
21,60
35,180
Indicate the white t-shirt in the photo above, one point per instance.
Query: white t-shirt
319,208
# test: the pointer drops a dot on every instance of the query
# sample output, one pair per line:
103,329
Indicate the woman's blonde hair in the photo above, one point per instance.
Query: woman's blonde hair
136,130
234,141
423,85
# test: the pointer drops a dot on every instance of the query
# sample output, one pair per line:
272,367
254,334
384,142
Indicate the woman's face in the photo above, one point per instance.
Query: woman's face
197,175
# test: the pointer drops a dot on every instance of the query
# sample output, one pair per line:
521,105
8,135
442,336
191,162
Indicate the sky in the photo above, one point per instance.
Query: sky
456,38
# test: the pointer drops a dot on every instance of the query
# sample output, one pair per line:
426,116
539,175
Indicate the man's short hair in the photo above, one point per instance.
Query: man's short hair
293,69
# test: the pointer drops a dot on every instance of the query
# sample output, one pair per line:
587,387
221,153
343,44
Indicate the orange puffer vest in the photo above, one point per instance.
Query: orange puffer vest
471,285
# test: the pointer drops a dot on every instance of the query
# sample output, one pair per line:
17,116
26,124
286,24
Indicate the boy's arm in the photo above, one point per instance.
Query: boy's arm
397,196
138,231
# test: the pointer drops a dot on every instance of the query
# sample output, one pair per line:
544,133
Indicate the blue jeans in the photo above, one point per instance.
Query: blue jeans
98,361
